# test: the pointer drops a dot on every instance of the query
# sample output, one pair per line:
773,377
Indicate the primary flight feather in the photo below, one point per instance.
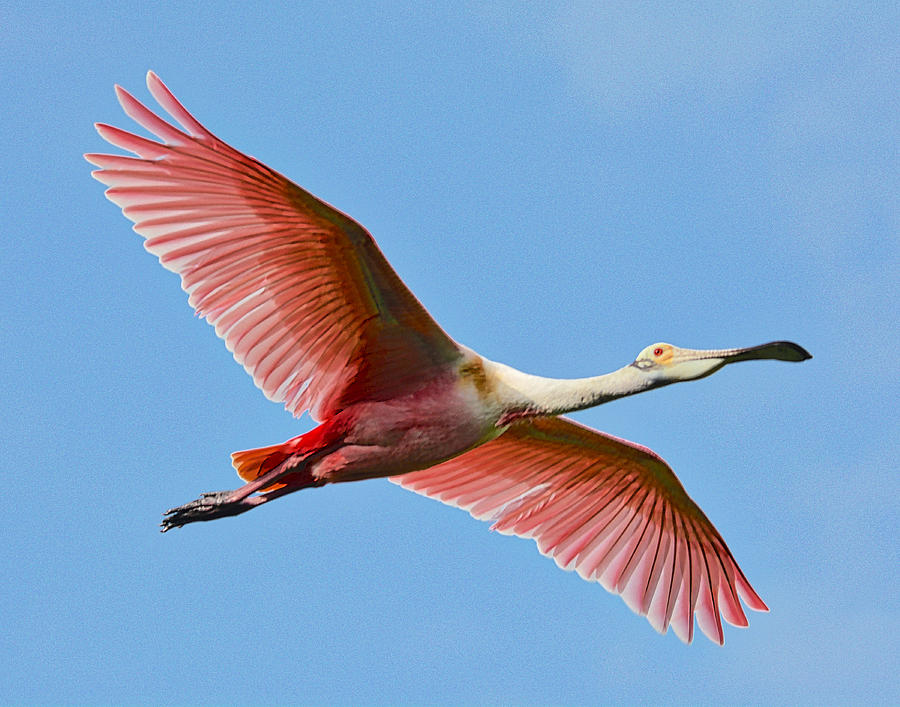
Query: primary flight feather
307,303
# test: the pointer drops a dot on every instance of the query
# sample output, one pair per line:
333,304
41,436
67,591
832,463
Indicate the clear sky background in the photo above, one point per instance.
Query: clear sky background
560,187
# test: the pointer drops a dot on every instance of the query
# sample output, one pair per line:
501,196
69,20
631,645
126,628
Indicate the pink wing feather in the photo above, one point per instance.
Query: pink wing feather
609,509
299,291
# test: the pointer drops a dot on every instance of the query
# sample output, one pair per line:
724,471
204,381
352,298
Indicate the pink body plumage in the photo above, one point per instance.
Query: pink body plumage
310,307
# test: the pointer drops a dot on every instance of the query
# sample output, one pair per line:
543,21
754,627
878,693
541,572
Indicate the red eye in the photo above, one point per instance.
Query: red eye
657,351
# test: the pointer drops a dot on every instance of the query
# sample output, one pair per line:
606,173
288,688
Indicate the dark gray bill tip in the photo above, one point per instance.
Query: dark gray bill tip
792,351
777,350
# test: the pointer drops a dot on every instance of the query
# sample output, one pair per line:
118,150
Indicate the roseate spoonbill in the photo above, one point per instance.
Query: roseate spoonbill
309,306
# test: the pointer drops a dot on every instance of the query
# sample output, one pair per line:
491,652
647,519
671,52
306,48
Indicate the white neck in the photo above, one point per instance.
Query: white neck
523,393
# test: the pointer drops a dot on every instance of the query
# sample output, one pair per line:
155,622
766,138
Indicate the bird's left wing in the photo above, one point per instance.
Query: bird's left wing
299,291
609,509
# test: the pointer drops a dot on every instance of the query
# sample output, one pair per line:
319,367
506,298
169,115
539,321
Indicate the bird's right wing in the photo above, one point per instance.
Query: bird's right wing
609,509
299,291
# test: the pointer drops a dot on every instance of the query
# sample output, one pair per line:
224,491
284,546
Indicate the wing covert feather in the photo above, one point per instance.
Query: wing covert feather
609,509
299,291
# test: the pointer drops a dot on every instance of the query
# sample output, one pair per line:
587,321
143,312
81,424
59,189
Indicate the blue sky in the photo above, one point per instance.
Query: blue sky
560,187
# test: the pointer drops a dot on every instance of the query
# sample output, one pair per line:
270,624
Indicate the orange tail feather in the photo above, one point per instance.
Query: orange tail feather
253,463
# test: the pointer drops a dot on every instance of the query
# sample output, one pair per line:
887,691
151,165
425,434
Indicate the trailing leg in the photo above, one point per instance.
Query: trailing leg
220,504
270,472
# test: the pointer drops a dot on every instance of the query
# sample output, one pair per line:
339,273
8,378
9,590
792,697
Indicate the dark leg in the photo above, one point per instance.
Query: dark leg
218,504
221,504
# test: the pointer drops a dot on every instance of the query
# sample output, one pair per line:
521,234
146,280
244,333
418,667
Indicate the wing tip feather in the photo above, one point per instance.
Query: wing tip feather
122,95
749,595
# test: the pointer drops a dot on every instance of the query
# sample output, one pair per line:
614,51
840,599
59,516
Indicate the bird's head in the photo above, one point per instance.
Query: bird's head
664,363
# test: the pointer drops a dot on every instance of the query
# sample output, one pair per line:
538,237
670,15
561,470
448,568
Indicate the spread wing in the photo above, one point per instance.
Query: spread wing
300,292
609,509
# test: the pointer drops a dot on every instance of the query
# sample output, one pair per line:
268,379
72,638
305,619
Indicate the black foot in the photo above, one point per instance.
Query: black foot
208,507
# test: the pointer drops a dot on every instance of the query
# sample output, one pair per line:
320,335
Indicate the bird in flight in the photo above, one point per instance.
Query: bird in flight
307,303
